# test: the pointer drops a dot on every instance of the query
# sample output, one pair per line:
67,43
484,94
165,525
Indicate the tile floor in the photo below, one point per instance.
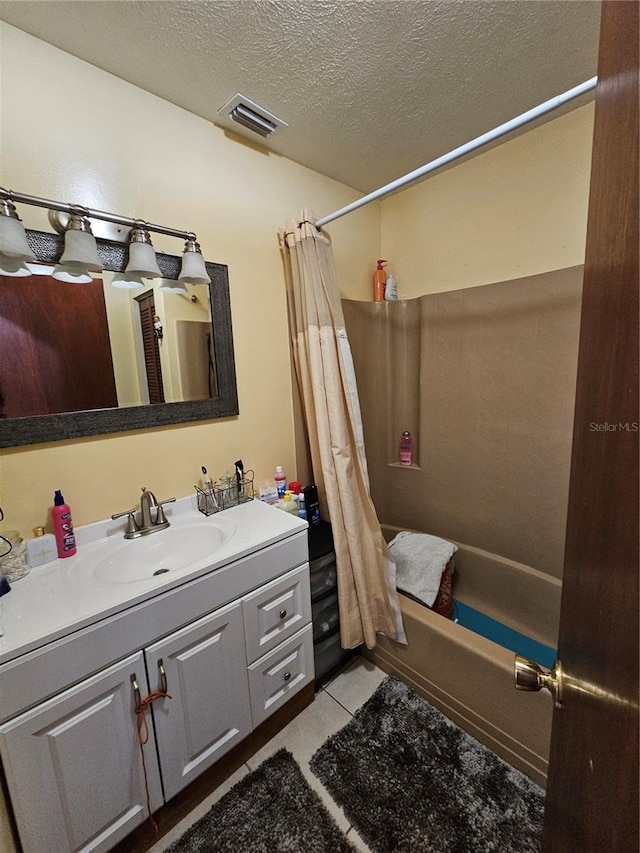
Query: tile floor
333,707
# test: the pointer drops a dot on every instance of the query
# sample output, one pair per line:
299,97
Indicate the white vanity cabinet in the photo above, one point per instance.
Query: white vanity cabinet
230,647
73,764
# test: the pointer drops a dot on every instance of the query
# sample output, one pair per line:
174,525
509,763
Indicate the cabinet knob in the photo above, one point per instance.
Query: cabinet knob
283,613
287,676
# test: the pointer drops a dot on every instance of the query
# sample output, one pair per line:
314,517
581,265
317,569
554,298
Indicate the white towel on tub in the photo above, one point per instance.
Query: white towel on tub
420,561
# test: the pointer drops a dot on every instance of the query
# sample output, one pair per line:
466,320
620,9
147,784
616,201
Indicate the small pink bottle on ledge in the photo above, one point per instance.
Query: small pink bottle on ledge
406,449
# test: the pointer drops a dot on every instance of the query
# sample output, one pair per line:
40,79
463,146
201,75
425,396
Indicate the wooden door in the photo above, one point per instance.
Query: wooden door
147,309
592,795
209,712
73,765
56,351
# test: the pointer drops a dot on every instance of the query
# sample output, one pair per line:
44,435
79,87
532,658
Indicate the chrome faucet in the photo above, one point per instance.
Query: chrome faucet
145,525
147,501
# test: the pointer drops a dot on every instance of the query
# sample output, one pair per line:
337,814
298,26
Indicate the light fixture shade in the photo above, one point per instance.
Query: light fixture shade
170,286
193,269
13,239
80,250
142,256
126,281
13,266
72,274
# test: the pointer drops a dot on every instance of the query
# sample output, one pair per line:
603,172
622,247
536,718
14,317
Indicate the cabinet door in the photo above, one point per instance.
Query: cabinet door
209,711
74,768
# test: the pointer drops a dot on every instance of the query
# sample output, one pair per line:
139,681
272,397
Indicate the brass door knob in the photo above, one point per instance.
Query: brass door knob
531,676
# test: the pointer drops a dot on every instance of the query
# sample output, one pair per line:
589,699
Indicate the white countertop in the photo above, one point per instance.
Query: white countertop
63,596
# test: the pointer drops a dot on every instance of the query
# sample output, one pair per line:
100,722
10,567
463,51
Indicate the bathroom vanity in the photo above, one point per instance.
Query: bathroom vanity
225,632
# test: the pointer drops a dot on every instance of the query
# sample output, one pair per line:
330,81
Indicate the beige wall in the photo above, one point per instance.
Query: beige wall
515,210
72,132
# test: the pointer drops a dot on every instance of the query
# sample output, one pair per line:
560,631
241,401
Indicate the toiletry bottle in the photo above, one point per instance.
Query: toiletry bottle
287,504
281,481
391,289
63,526
302,510
42,548
379,281
406,449
312,506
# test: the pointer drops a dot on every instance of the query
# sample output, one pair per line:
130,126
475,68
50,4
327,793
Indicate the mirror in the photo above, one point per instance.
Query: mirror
175,363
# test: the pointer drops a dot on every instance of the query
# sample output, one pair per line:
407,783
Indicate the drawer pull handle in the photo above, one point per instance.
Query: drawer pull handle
136,692
283,613
163,677
287,676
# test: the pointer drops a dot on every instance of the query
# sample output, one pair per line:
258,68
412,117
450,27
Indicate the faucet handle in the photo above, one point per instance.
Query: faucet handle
160,516
122,514
132,527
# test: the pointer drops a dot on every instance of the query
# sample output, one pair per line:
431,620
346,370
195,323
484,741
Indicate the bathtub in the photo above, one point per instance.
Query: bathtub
469,677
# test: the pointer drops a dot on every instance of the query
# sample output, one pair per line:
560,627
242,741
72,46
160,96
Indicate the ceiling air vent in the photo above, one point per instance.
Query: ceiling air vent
249,115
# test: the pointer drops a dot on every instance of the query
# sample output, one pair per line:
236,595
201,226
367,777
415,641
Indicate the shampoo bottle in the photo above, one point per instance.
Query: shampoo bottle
63,526
379,281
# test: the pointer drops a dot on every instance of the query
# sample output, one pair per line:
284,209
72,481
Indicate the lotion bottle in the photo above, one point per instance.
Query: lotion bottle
379,281
63,526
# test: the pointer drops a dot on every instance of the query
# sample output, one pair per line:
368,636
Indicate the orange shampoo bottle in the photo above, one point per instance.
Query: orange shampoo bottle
379,281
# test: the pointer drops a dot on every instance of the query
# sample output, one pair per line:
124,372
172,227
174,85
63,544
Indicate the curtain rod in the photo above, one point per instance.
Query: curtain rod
473,145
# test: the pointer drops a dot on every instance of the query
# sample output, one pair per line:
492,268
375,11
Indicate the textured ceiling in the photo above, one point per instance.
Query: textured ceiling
371,89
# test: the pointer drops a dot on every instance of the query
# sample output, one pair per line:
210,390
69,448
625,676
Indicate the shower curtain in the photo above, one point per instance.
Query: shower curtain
367,595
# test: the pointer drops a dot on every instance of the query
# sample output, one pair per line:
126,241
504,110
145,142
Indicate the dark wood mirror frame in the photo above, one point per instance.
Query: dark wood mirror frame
17,432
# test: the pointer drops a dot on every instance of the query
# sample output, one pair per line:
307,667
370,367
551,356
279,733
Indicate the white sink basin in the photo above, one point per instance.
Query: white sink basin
173,550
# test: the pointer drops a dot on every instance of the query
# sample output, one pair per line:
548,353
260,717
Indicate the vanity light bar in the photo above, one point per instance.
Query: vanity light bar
71,209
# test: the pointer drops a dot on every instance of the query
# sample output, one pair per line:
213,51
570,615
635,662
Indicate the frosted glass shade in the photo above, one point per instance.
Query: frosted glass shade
13,240
72,275
142,261
126,281
169,286
80,250
193,269
13,266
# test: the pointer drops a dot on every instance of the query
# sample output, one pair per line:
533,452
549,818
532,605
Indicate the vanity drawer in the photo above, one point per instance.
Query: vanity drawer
275,678
276,611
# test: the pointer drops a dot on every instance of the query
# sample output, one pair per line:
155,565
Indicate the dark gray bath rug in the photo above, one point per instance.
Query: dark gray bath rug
272,810
409,779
